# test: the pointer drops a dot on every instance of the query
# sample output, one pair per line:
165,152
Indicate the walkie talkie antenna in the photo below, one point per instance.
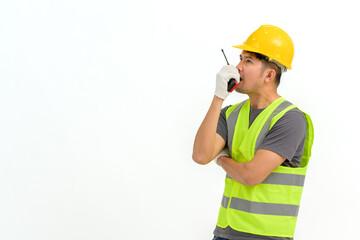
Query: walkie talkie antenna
232,83
225,57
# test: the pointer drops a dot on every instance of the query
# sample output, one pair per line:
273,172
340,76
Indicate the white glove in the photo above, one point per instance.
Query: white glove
222,77
224,152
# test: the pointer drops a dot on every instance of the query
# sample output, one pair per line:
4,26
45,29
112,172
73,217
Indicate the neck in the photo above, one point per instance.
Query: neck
261,101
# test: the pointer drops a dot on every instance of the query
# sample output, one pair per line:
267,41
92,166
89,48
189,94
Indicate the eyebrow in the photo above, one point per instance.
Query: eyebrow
246,56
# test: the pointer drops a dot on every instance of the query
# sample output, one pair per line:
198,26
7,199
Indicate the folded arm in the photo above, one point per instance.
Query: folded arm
253,172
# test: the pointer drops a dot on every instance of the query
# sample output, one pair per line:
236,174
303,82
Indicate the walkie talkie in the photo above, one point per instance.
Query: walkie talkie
232,82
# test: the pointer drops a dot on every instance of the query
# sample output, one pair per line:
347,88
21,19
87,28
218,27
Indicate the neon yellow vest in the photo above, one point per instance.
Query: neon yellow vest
269,208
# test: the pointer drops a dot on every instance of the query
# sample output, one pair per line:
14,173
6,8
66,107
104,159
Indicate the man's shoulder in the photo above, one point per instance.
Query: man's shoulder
293,121
294,114
224,109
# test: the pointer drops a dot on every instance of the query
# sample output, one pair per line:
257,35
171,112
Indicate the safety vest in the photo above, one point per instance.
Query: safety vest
271,207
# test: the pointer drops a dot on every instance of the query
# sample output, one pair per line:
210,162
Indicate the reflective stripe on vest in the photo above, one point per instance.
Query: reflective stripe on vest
260,208
283,179
231,124
270,208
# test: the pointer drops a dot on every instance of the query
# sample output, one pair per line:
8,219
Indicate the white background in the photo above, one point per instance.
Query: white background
100,102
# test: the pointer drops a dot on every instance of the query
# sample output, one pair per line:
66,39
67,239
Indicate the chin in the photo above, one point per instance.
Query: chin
238,90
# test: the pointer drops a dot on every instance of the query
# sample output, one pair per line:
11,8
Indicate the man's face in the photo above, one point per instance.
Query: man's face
251,71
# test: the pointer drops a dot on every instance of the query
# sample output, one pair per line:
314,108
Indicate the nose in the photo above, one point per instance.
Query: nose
239,67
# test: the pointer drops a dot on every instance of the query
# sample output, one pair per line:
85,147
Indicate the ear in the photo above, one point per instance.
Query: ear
269,75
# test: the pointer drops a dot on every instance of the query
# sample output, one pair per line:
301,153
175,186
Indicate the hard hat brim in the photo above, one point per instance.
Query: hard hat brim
250,49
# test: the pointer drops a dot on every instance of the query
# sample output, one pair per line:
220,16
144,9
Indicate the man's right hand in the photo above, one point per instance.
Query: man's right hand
224,152
226,73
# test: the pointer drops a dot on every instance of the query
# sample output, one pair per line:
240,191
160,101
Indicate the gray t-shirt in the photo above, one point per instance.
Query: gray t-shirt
286,137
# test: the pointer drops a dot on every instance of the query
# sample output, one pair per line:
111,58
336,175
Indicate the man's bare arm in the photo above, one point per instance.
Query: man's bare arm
253,172
207,142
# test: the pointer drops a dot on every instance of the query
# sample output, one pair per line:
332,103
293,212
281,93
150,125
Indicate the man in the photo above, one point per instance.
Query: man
268,140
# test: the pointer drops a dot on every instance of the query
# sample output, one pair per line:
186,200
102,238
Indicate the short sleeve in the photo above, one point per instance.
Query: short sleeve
287,137
222,125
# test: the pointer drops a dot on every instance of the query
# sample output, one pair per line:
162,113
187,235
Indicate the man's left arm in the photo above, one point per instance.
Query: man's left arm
253,172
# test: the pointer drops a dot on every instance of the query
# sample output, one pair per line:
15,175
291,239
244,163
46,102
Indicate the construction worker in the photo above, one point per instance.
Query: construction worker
267,138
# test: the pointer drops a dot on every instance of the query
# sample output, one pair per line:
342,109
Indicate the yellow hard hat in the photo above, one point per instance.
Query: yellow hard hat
272,42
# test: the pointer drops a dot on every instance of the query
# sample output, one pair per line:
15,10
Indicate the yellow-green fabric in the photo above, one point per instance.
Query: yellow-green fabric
269,208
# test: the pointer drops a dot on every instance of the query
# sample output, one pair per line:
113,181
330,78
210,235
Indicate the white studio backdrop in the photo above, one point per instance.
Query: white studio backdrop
100,102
